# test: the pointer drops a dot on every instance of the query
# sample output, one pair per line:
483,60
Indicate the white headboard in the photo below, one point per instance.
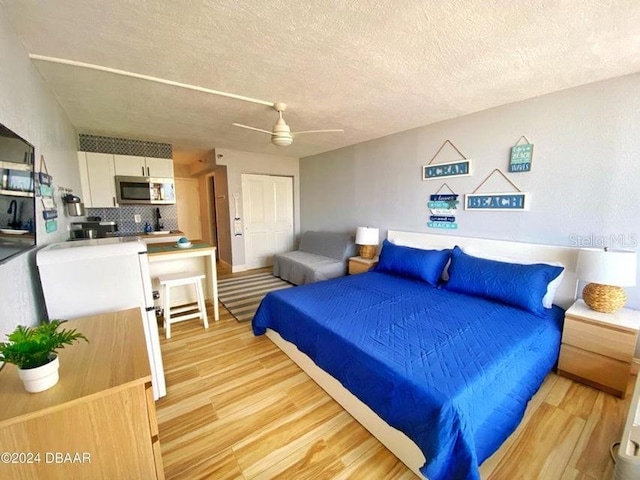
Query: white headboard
566,294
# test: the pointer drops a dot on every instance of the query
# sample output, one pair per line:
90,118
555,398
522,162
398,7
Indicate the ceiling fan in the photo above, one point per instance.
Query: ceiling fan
281,135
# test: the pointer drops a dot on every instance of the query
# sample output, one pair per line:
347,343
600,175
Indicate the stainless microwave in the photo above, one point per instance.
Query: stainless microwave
145,190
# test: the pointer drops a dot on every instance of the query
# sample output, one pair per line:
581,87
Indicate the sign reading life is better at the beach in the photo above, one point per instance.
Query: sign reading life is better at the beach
497,201
443,209
442,221
443,204
521,158
459,168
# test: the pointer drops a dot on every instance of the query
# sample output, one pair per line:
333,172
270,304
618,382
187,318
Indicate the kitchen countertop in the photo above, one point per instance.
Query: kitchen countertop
143,235
168,248
30,236
167,258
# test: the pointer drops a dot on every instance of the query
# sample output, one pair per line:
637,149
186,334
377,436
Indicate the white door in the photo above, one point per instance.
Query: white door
188,206
267,204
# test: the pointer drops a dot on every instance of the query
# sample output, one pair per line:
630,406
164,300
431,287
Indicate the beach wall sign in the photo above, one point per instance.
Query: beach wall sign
459,168
443,208
521,156
505,202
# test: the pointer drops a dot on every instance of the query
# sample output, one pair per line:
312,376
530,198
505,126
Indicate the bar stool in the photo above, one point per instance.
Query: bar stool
183,312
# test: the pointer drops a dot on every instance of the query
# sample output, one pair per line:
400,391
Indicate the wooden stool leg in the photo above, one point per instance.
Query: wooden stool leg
201,305
167,311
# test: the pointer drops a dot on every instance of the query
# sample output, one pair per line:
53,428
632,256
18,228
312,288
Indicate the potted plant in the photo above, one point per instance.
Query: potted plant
34,351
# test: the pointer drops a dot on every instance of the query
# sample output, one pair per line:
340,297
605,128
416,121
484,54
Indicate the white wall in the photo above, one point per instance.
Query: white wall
585,178
246,162
30,110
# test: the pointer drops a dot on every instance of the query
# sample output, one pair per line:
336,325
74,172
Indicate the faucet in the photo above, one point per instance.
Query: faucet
158,225
13,209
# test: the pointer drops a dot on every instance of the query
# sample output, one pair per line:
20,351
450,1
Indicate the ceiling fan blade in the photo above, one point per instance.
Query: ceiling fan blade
335,130
252,128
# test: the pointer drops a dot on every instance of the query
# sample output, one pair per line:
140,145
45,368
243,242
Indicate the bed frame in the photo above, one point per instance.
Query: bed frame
397,442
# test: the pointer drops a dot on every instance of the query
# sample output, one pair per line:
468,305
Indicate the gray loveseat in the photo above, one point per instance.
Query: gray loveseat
320,256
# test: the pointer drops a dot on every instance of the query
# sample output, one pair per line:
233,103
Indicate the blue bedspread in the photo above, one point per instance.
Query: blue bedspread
453,372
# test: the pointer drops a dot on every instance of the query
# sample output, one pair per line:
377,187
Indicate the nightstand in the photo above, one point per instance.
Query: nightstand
597,348
361,265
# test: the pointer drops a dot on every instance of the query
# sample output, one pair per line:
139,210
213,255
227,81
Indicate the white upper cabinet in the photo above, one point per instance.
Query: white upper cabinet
84,179
132,166
159,167
97,179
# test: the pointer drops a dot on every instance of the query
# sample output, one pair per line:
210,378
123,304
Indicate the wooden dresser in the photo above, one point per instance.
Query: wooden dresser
597,348
98,422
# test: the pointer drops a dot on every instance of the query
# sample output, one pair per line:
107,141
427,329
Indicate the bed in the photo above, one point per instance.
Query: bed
440,377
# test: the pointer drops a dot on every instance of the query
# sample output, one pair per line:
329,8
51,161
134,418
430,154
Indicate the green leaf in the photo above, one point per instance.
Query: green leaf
30,347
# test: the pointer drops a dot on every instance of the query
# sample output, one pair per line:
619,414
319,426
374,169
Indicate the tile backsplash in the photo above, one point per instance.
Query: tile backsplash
124,146
124,216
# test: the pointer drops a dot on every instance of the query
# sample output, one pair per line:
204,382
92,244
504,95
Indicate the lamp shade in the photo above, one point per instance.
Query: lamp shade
367,236
607,267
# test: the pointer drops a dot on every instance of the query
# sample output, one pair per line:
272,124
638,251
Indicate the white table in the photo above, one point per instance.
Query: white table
167,258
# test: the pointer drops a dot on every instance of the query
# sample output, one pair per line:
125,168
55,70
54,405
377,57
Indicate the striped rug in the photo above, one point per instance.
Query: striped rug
242,295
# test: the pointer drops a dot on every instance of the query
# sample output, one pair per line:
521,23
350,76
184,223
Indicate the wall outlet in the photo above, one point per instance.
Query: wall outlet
137,218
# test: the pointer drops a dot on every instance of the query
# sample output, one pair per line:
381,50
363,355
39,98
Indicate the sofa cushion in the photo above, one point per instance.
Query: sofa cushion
300,268
321,256
339,246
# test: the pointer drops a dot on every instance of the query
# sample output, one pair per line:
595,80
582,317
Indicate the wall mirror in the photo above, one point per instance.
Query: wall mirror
17,198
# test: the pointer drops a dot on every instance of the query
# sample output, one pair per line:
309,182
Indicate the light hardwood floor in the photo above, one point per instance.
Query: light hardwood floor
238,408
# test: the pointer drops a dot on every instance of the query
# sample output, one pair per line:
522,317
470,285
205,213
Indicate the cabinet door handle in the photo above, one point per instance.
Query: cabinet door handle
148,174
114,202
142,171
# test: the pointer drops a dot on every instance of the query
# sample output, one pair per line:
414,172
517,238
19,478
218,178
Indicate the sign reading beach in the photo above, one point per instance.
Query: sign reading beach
497,201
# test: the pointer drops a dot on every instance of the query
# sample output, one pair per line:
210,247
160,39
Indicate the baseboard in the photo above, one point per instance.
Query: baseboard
224,264
245,267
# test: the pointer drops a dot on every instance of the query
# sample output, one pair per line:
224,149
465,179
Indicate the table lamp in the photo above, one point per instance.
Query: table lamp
607,271
368,239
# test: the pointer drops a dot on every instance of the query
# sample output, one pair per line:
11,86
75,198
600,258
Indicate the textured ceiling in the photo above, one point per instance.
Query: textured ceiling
370,67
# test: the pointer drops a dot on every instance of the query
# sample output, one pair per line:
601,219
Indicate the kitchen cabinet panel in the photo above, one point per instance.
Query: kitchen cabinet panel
130,165
84,179
159,167
133,166
97,179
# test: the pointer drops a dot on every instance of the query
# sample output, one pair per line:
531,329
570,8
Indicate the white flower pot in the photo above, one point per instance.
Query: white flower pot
40,378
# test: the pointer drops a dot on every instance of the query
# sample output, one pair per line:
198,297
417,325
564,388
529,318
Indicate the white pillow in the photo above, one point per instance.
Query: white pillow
552,286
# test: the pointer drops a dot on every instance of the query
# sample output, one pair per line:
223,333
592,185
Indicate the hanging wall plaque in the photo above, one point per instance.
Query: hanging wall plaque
51,226
49,208
458,168
497,201
443,208
521,156
505,202
43,180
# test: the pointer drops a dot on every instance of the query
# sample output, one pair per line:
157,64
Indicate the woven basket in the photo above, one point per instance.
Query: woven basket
604,298
367,251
